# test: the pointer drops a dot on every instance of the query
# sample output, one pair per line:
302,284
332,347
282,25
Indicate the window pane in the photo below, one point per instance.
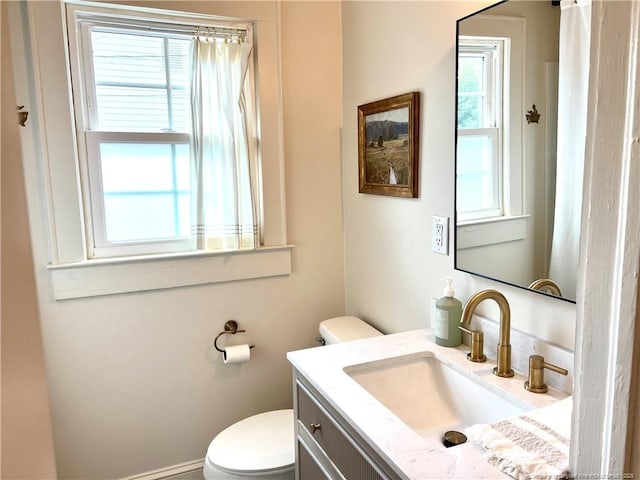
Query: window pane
470,74
470,111
179,58
180,111
183,171
134,90
471,91
146,190
130,59
476,177
143,167
132,109
179,52
143,216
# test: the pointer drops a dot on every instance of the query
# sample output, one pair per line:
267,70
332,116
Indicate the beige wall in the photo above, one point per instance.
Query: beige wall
134,386
633,437
391,273
391,48
27,446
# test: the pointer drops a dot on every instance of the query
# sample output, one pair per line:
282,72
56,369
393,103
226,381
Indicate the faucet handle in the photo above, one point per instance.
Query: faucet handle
535,383
477,345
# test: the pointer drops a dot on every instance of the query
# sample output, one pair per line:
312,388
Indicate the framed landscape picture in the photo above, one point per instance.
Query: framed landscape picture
388,133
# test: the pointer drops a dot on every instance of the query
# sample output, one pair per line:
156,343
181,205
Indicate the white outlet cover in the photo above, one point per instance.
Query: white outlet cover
440,235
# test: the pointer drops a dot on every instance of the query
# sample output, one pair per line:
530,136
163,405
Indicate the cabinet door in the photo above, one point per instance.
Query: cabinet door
340,450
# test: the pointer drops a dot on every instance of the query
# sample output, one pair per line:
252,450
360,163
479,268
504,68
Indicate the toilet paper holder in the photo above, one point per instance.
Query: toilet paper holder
230,327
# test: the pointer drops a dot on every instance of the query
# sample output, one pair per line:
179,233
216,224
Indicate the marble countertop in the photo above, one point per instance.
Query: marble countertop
409,454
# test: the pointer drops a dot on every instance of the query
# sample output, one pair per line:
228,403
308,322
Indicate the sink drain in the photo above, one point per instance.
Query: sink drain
453,438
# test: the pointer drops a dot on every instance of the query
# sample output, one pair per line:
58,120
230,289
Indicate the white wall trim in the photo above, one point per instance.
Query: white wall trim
133,274
610,247
488,232
169,472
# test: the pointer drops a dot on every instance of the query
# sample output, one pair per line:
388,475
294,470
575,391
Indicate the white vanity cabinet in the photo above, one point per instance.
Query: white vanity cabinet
344,432
326,446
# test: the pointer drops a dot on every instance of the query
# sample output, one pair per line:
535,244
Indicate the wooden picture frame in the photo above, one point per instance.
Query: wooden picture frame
388,133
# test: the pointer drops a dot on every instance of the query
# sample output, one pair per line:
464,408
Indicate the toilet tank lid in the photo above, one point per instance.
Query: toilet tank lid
261,443
344,329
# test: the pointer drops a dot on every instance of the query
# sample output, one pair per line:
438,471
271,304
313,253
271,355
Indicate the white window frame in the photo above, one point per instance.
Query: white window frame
52,139
512,225
97,245
496,96
81,21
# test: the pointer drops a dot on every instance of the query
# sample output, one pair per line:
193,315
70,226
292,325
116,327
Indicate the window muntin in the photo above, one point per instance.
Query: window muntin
480,150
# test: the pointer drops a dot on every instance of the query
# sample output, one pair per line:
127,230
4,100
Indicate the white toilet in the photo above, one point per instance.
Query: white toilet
264,445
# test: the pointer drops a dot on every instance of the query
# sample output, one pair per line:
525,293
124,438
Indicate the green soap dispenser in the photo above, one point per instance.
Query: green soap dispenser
448,312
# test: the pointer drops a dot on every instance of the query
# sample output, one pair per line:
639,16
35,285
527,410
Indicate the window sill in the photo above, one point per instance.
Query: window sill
136,274
479,233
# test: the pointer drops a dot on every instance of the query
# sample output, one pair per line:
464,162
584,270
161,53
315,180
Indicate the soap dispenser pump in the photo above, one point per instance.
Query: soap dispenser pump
448,312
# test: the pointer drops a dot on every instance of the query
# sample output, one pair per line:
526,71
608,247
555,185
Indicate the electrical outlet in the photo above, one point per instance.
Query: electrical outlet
440,235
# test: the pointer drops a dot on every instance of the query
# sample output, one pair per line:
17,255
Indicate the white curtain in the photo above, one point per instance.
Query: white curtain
222,201
573,85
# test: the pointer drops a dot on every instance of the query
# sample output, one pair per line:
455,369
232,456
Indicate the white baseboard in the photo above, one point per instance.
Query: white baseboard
182,471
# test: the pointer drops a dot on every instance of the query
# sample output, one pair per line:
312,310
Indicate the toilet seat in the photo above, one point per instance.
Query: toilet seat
258,445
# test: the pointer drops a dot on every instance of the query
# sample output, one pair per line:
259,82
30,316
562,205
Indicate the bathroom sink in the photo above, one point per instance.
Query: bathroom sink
431,397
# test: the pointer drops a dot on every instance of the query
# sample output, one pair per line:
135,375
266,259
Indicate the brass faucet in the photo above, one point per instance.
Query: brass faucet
546,284
535,382
504,347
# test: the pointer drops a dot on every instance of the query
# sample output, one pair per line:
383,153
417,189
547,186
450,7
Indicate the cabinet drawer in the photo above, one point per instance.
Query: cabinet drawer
308,468
332,440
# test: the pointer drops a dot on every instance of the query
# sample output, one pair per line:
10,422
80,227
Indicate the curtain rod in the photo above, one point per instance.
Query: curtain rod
223,33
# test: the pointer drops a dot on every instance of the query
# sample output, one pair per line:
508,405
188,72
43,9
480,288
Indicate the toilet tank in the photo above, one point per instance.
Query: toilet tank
344,329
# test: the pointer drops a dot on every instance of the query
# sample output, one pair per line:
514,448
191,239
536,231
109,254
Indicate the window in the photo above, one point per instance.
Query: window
58,179
165,121
482,95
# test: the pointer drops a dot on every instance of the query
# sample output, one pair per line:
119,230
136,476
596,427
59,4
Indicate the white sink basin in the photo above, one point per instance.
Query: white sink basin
431,397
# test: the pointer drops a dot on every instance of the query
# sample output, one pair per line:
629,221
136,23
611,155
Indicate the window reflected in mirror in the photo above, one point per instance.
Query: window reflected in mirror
513,213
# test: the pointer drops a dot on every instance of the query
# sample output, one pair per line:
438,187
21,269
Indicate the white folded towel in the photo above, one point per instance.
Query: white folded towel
534,445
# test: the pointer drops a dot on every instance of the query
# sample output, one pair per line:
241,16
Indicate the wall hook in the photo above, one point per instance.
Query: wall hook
532,115
22,116
230,327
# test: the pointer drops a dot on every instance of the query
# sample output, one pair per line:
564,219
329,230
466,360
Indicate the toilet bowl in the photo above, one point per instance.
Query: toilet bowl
264,445
258,446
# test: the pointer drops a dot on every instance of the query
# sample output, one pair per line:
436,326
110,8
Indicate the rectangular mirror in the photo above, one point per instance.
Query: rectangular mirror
518,194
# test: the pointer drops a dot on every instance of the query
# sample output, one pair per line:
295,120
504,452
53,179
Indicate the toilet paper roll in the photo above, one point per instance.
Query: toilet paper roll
236,354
